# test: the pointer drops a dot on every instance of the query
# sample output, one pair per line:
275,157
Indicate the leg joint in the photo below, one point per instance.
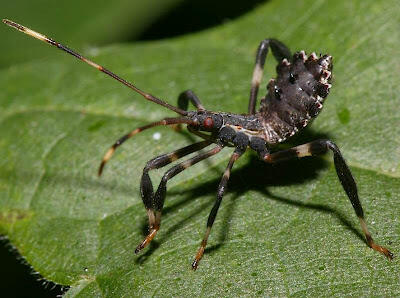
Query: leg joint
332,146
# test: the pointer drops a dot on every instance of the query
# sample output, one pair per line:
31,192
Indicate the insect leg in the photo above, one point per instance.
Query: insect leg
346,179
280,51
183,103
146,186
154,202
120,141
220,193
185,97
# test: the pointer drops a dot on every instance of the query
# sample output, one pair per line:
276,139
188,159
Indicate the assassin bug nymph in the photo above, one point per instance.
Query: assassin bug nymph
293,99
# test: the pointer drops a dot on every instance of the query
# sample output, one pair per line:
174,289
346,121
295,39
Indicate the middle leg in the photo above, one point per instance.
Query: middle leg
220,193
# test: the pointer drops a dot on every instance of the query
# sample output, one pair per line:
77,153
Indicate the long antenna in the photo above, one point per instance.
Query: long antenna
91,63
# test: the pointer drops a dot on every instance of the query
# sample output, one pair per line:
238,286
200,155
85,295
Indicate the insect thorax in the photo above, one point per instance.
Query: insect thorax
296,96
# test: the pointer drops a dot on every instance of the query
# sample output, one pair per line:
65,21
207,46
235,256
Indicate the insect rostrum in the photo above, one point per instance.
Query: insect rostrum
294,98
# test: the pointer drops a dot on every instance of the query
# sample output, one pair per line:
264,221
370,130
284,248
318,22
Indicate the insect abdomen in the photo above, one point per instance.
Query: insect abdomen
296,96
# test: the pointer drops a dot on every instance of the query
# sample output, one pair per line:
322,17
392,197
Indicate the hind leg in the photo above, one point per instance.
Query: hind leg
343,172
280,52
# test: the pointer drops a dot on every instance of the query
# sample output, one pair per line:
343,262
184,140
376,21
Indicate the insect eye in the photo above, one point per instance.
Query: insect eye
208,123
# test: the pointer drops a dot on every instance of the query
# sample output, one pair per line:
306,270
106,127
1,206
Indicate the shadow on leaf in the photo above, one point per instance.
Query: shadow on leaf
256,176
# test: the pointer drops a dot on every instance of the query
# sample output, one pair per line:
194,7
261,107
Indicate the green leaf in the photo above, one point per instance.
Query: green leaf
286,229
78,22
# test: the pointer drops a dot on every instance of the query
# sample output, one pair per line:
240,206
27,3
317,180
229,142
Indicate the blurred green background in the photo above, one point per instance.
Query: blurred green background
82,25
97,23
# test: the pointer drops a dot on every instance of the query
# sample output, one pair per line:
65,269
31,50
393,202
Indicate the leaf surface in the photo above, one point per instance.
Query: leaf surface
285,229
78,22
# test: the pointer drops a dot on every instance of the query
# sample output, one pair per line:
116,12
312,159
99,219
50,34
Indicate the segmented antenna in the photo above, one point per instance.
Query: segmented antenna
91,63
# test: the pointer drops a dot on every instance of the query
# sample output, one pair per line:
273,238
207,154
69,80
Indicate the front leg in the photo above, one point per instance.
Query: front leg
346,179
146,187
183,103
185,97
154,203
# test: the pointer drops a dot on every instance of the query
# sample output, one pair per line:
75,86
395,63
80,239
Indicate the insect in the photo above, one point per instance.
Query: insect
293,99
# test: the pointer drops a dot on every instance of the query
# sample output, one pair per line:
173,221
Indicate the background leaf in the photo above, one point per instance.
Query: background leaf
109,21
282,230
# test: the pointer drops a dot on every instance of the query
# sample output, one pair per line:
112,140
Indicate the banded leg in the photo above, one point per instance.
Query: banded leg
346,179
220,193
146,186
280,51
185,97
120,141
154,202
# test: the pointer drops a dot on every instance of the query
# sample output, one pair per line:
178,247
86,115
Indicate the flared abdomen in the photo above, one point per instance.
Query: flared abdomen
296,96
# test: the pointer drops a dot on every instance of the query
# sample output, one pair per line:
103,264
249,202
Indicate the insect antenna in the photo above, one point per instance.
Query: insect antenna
91,63
166,121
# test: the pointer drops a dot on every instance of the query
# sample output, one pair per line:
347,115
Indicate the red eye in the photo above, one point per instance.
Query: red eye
208,123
